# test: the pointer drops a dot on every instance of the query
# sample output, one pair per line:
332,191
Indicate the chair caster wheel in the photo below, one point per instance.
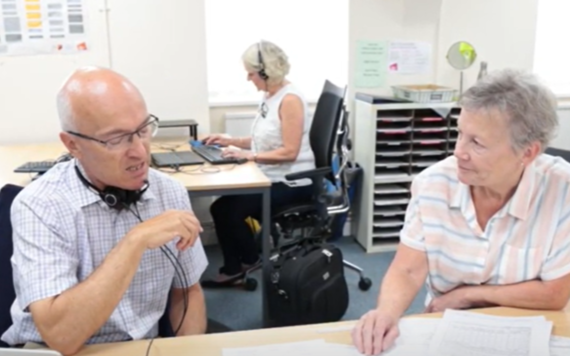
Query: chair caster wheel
250,284
364,284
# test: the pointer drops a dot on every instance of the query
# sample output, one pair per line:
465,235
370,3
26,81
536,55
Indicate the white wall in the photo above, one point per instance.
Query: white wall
561,140
158,45
503,33
28,85
379,20
161,46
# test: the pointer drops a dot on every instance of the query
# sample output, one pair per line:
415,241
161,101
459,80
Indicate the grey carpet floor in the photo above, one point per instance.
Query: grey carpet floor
241,310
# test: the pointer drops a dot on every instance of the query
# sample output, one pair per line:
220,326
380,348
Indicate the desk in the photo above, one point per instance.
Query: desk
212,345
230,180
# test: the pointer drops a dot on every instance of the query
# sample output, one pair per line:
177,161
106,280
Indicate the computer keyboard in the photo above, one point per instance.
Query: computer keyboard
35,167
213,155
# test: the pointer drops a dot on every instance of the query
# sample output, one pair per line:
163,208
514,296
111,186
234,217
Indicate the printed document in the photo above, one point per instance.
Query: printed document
473,334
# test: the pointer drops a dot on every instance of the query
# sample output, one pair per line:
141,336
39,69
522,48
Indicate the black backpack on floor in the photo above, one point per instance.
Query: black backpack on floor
307,285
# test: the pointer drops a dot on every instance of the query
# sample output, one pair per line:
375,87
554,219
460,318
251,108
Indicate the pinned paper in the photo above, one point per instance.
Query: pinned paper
370,66
31,27
409,57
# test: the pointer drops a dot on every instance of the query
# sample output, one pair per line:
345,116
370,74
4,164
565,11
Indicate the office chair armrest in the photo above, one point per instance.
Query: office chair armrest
312,174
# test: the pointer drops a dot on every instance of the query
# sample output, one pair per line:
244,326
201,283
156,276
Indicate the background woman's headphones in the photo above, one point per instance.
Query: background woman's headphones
261,71
114,197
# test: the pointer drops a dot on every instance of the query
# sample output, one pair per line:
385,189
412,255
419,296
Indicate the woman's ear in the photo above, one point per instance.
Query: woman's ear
531,152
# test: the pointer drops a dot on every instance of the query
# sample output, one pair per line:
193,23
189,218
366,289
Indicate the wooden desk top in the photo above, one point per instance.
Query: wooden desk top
212,345
208,177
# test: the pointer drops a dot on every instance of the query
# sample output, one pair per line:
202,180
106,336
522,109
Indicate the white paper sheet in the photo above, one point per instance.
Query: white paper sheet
465,334
473,334
409,57
414,339
559,346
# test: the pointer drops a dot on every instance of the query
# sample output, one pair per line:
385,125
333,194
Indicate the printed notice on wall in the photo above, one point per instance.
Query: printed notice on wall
371,64
409,57
31,27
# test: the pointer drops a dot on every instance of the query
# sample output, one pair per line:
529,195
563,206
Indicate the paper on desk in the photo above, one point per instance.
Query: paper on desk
302,348
414,339
559,346
473,334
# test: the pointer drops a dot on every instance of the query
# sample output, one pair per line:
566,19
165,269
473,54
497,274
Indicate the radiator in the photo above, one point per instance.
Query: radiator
239,124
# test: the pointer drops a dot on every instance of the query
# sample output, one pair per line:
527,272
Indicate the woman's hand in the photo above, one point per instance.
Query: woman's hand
238,154
218,139
375,333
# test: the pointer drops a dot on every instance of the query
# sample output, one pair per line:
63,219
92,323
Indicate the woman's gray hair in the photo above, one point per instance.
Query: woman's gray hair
528,105
275,61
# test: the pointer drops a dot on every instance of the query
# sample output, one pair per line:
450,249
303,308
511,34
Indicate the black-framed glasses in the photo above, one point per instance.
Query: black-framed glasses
145,132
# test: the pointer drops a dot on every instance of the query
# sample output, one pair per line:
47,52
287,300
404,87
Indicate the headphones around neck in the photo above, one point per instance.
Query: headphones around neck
114,197
261,71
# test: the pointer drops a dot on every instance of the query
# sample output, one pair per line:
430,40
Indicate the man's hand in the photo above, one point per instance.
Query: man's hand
454,299
163,228
375,332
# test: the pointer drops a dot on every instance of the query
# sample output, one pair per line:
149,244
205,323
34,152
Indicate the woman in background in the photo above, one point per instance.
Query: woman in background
279,144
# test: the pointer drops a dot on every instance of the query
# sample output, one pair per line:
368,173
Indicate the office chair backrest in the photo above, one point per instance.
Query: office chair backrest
326,119
8,295
564,154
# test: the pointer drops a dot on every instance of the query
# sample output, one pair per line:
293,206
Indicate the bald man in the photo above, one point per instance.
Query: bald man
91,236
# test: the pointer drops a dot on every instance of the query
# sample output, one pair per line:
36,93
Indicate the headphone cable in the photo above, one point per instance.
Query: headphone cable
179,270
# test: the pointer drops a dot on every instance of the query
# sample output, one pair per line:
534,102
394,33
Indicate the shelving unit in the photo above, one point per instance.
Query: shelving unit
393,143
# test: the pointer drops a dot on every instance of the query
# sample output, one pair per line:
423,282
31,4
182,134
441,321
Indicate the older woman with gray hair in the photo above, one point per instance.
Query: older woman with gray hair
489,226
279,144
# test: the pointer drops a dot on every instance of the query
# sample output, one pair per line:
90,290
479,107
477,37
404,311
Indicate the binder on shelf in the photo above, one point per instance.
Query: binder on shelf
399,130
424,164
389,210
436,118
430,129
392,142
390,162
386,233
429,141
391,175
389,189
384,202
428,152
388,223
391,150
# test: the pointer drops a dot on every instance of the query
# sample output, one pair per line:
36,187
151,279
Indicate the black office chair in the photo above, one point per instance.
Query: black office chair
564,154
329,137
8,295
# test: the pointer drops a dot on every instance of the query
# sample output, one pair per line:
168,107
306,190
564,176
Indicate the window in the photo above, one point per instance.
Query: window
552,53
313,33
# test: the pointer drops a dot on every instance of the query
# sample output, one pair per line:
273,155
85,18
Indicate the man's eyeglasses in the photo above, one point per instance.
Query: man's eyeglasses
145,132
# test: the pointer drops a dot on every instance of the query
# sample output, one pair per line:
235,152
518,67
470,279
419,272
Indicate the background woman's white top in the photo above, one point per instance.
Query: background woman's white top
266,135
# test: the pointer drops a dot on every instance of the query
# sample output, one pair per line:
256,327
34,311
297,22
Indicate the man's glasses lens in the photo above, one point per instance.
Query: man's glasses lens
145,132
